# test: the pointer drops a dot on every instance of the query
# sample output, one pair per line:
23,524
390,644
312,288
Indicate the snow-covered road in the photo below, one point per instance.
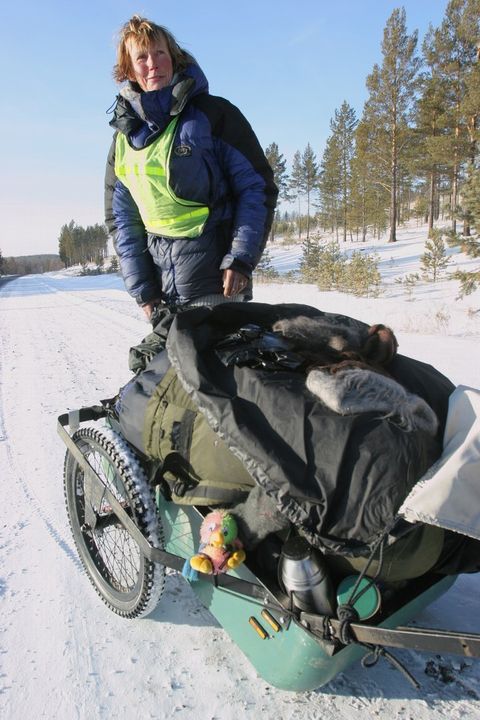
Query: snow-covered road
64,343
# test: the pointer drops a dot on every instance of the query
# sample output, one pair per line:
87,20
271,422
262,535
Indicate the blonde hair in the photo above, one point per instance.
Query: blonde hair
144,32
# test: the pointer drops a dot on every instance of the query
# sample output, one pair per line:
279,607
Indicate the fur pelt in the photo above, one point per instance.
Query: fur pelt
322,342
257,517
317,334
354,390
347,369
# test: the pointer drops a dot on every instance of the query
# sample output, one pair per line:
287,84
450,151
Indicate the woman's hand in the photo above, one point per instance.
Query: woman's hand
233,282
149,307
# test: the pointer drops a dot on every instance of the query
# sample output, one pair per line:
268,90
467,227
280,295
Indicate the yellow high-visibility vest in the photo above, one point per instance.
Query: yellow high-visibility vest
145,172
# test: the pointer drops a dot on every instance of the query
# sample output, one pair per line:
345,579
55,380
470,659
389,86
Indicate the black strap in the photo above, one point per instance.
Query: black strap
182,432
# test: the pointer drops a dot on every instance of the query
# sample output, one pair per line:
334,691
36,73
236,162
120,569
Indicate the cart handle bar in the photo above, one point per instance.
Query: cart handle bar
425,639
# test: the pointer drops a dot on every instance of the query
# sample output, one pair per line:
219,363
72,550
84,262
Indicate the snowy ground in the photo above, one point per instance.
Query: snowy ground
64,343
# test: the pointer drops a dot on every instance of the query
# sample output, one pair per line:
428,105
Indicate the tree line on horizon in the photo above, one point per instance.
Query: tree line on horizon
79,246
29,264
414,149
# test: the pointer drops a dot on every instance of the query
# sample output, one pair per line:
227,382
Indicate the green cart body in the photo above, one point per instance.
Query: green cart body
290,658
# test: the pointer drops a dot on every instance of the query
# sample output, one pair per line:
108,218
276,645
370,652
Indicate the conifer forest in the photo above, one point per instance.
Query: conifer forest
413,151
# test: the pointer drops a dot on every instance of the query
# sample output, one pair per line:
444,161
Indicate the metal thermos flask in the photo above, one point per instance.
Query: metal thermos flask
304,574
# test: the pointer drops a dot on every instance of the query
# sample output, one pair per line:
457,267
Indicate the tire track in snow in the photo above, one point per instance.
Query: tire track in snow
33,505
32,455
69,370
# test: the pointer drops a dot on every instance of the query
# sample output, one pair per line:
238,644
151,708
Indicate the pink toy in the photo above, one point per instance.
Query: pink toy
220,549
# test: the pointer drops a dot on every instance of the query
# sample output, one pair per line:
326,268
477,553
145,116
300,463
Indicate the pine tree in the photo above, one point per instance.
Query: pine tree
329,184
369,184
470,108
310,171
66,244
392,88
470,280
456,47
296,185
279,167
82,245
343,129
360,181
472,200
266,267
114,265
303,183
434,259
1,263
362,276
98,242
329,269
431,126
309,264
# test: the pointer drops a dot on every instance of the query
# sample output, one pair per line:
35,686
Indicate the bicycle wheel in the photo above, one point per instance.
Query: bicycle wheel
125,579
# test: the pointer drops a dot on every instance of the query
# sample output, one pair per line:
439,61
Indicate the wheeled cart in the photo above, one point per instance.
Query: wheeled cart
127,534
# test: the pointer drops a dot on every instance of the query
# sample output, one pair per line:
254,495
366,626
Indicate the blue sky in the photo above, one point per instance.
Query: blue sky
286,65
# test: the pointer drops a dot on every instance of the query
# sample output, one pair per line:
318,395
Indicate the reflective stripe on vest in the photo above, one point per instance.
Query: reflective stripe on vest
145,172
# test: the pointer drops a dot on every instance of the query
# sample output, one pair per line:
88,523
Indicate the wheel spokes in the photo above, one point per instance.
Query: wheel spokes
121,556
119,553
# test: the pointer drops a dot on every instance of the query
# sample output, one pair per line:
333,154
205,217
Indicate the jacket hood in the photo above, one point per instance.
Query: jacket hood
156,108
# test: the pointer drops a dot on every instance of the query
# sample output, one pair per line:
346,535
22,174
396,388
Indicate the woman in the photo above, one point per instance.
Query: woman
189,193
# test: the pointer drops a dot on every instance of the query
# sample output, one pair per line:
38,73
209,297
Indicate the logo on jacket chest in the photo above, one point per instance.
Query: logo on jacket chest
183,151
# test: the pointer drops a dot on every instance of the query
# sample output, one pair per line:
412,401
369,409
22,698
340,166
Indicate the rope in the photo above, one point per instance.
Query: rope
347,613
110,109
376,651
379,545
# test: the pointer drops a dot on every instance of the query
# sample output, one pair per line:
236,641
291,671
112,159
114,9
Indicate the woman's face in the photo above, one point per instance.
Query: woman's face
152,68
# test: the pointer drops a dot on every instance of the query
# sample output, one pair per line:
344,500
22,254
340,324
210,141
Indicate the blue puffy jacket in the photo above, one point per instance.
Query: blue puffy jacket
220,164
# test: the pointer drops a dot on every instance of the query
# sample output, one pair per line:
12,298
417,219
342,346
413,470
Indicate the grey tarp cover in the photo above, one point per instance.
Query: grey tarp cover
340,478
449,493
